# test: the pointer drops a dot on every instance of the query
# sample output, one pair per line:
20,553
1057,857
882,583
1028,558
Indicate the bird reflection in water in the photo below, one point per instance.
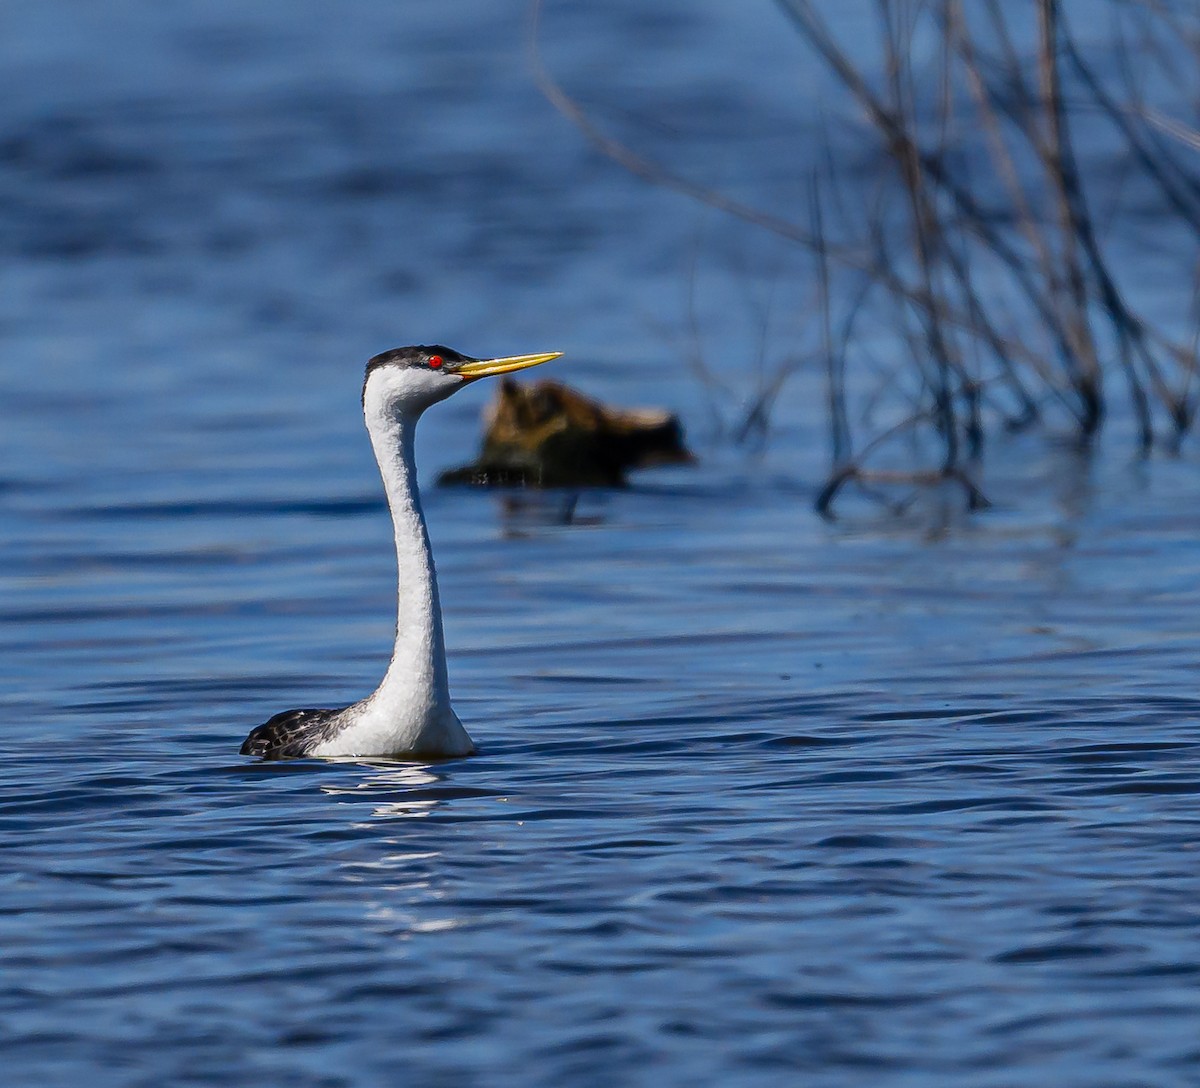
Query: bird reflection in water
395,790
404,890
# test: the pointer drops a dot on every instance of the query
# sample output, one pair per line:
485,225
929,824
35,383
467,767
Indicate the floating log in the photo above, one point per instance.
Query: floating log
546,434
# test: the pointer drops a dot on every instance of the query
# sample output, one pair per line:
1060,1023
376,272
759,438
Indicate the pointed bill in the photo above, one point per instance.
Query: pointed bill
485,368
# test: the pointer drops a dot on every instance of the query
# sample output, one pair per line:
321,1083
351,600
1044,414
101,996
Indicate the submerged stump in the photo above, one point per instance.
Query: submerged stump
547,434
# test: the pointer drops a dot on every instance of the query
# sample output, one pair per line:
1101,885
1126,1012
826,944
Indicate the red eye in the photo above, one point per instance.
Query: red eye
435,361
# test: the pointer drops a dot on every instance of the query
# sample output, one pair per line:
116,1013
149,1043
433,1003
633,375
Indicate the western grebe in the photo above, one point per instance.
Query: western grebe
409,713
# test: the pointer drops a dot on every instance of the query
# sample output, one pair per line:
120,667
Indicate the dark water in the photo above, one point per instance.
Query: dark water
760,800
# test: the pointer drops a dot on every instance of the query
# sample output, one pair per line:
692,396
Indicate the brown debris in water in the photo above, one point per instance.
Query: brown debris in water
546,434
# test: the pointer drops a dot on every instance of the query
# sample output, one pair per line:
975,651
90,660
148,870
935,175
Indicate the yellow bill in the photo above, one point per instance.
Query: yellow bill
485,368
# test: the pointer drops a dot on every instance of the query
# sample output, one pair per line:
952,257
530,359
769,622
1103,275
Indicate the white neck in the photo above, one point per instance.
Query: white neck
419,657
410,711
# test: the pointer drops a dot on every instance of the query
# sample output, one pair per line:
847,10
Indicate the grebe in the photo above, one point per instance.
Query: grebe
409,714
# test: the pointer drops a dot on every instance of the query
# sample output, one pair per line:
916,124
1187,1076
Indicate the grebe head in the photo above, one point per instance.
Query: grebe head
406,381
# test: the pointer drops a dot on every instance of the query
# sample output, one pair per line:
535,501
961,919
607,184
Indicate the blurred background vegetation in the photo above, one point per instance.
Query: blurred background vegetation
1008,191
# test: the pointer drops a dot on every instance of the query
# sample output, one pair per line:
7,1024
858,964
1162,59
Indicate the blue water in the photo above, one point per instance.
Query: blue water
760,799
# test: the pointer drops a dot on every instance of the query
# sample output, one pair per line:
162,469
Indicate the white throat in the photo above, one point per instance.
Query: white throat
410,712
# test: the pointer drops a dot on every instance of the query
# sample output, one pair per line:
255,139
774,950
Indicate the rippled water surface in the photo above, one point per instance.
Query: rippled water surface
760,800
